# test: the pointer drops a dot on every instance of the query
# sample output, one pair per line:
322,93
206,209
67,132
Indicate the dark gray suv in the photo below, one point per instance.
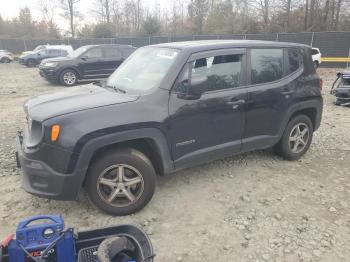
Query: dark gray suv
168,107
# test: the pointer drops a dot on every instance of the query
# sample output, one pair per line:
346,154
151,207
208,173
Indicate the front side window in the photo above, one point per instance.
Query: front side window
266,65
95,52
143,70
222,72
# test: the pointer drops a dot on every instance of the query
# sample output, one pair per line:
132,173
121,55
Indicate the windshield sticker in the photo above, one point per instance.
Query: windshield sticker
167,54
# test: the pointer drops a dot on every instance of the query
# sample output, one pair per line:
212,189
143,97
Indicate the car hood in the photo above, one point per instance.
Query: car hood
73,99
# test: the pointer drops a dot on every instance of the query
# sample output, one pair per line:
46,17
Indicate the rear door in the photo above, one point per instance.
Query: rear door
211,126
91,63
272,74
112,57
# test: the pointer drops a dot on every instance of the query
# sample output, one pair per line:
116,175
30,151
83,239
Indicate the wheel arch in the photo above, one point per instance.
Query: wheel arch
149,141
311,108
70,68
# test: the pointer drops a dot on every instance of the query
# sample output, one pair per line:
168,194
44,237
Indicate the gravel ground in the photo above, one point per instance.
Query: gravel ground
251,207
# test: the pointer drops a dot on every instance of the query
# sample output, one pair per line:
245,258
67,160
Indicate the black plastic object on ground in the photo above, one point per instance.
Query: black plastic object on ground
130,239
342,90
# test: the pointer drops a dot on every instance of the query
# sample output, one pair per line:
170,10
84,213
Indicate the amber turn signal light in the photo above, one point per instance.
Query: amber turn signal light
55,131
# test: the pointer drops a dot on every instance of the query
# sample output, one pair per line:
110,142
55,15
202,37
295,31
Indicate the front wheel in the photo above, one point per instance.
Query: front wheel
296,138
316,64
5,60
121,182
68,77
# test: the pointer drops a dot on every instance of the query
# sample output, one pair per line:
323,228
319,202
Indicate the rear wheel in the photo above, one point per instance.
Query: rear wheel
121,182
68,77
296,138
316,64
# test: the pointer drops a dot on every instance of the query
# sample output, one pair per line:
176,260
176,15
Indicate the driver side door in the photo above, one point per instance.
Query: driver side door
211,126
91,63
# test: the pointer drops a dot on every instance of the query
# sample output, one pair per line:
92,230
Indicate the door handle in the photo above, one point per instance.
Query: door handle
236,103
287,91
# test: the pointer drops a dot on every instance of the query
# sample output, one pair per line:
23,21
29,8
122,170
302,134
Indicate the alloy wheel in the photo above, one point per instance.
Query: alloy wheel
69,78
299,138
120,185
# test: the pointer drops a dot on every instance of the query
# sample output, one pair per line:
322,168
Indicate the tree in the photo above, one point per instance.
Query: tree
220,18
151,26
103,10
198,10
26,23
68,7
104,30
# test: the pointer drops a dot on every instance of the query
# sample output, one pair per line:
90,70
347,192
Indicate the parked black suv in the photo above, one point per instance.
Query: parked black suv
86,62
169,107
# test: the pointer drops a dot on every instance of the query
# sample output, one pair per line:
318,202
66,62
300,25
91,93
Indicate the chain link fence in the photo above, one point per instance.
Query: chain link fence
331,44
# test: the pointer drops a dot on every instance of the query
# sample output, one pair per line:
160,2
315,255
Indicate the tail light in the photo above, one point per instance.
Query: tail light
321,84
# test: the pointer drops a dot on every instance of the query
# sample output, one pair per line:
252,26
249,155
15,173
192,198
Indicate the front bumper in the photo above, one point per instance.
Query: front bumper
48,73
41,180
22,61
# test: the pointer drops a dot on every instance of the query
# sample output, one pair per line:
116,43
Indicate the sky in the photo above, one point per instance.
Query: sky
10,8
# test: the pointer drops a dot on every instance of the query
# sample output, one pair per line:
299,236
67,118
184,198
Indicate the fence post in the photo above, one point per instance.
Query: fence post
149,40
312,38
25,46
347,63
277,38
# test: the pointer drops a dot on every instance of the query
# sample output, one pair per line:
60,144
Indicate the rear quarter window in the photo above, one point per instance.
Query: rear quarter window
266,65
294,60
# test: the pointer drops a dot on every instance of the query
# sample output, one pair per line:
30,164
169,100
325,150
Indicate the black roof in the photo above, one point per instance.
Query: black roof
114,45
204,45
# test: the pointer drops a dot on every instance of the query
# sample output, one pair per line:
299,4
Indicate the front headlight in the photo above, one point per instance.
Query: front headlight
50,64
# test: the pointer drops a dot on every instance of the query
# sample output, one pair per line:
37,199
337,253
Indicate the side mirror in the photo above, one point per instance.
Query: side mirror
197,86
339,75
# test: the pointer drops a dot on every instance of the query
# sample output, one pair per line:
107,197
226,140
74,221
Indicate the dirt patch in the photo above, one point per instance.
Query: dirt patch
251,207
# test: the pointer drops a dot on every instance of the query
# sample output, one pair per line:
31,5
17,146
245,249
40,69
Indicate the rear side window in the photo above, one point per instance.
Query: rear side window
314,51
53,52
266,65
294,60
112,53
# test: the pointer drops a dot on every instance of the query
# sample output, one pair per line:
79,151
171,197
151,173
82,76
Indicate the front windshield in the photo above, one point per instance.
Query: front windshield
38,48
144,69
77,52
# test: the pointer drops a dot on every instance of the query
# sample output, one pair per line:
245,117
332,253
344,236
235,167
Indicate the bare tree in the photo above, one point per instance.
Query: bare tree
68,7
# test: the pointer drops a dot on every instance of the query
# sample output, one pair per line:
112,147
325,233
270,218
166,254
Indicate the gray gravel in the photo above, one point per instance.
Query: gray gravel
252,207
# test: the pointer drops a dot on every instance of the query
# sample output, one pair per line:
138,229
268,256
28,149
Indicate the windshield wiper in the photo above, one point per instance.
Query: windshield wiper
117,89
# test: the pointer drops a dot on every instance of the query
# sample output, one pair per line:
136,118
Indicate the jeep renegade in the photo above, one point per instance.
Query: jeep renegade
168,107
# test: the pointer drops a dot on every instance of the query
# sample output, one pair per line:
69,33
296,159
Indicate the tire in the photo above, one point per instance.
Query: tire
136,167
31,63
5,60
68,77
287,147
316,64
